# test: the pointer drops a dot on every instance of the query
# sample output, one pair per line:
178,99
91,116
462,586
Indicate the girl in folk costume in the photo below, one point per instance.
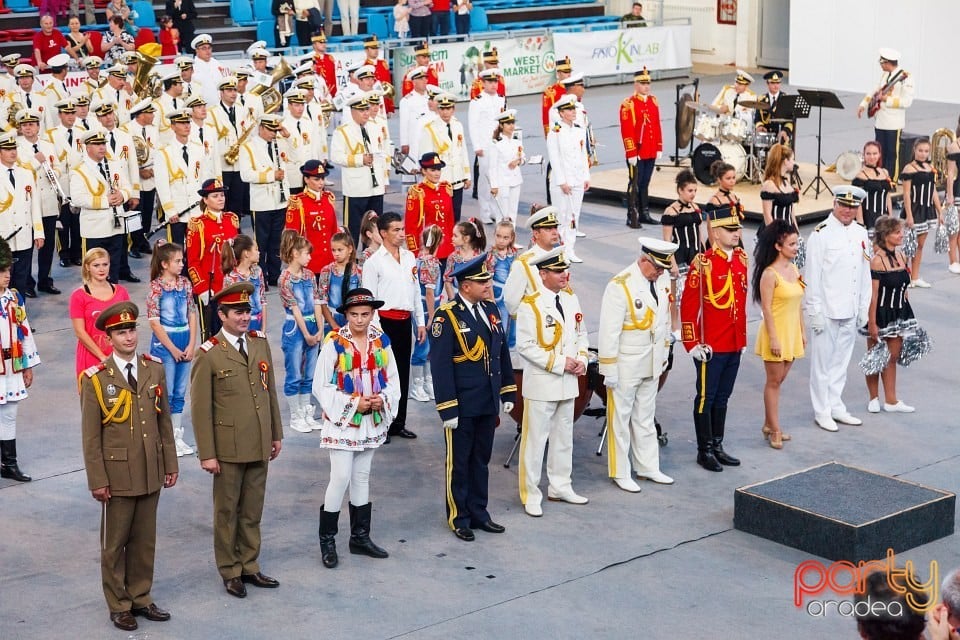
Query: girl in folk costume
301,334
16,367
172,313
369,236
499,261
358,389
431,292
506,156
240,262
921,203
725,199
337,278
875,180
469,241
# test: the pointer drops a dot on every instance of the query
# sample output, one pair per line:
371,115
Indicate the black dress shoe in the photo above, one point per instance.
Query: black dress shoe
124,620
235,587
146,249
30,293
49,289
464,534
77,262
259,580
133,253
64,263
725,458
490,527
130,278
403,433
151,612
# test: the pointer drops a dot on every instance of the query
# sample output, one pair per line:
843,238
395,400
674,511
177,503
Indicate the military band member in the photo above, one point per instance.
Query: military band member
115,92
413,106
895,95
129,455
555,91
552,340
249,101
837,303
566,148
230,121
8,81
141,128
312,214
505,156
728,100
203,132
299,141
35,153
232,383
371,47
636,330
25,93
56,87
490,60
573,85
324,65
90,84
643,144
180,168
482,120
713,319
21,222
67,140
84,121
380,133
170,100
764,118
207,70
430,202
523,280
444,135
352,148
473,376
191,86
100,191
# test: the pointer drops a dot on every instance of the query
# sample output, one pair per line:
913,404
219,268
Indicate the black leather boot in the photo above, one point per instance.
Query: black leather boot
633,219
8,462
719,419
705,457
360,542
328,538
645,216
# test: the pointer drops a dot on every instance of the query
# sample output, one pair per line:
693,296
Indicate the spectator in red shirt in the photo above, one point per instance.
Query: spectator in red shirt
47,43
441,17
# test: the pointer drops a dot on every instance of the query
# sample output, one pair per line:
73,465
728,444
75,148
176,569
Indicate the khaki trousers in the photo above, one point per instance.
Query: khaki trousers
128,533
237,506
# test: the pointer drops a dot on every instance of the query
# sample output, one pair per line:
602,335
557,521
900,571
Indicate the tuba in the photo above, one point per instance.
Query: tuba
939,142
145,83
14,109
272,101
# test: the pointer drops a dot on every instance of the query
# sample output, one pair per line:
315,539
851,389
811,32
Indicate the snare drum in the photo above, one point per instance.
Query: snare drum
765,139
733,129
131,221
706,127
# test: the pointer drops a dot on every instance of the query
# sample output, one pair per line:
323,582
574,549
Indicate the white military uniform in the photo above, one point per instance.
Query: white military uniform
523,279
89,191
259,171
252,103
208,139
545,339
507,181
729,98
892,115
227,132
122,156
482,120
123,99
55,91
452,149
68,155
177,181
304,143
206,76
382,145
20,208
30,100
164,105
633,347
413,106
567,151
49,204
838,288
347,150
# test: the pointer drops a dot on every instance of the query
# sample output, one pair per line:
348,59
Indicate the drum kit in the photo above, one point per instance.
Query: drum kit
729,138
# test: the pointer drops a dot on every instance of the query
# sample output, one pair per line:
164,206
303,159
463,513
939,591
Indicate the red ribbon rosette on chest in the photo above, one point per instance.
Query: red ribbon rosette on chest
264,368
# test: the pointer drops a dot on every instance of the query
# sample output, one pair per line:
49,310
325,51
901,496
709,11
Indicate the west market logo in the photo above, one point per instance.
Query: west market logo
626,51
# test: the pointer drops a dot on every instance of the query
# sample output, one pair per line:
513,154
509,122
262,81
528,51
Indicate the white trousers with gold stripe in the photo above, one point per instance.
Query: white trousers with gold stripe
543,420
631,432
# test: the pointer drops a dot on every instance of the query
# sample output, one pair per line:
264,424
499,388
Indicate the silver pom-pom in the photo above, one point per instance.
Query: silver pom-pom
951,220
909,242
875,359
915,346
683,269
801,258
941,242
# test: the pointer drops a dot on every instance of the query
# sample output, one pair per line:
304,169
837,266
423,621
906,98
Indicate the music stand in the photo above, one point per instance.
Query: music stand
793,107
821,100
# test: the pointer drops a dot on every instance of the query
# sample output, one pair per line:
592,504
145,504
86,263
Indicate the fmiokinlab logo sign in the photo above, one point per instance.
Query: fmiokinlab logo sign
812,579
627,51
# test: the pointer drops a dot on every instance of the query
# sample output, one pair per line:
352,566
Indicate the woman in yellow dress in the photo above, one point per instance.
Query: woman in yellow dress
778,288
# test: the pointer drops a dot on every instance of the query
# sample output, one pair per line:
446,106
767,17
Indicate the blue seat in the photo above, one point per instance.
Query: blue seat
478,20
19,4
145,15
265,32
242,12
262,11
377,24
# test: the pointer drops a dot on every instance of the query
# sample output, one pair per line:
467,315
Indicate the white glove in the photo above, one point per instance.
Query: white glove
610,382
659,154
701,353
863,317
674,337
450,424
632,161
507,407
817,323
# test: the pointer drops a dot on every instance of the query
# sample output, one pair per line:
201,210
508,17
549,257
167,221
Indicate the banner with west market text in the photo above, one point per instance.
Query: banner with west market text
604,53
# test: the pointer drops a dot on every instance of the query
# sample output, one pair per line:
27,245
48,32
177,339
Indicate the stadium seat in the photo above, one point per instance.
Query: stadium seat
377,24
262,10
145,15
478,20
242,12
96,39
144,36
266,33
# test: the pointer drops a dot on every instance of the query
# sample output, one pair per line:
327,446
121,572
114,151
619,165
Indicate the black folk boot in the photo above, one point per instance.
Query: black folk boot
360,542
8,462
328,538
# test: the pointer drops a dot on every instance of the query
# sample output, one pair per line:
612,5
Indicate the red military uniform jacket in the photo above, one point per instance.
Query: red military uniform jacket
640,127
382,72
325,67
429,204
713,309
477,88
550,95
432,78
312,215
205,238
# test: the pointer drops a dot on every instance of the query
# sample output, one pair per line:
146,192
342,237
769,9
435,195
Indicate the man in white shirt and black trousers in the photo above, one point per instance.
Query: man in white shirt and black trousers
391,275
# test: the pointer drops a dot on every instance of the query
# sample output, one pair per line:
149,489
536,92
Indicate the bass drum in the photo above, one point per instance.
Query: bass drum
848,164
706,154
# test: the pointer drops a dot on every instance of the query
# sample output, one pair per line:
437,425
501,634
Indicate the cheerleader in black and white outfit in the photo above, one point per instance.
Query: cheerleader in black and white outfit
923,205
875,180
777,194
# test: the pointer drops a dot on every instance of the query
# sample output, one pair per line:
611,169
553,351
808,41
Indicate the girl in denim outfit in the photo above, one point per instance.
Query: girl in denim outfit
240,262
338,277
431,292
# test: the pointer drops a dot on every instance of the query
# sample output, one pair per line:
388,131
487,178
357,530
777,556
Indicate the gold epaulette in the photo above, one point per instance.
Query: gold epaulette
530,298
209,344
233,218
820,226
448,305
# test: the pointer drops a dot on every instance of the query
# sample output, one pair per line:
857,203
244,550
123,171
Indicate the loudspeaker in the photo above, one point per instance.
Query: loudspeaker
907,141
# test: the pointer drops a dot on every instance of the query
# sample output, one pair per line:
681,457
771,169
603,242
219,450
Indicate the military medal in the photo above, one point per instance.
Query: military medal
637,303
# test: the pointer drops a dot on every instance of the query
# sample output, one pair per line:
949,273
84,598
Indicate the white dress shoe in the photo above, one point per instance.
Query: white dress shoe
656,476
874,405
571,497
826,423
846,418
574,258
627,484
581,234
533,510
954,267
900,407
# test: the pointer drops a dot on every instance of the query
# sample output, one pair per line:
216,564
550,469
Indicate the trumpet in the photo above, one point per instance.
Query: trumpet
51,177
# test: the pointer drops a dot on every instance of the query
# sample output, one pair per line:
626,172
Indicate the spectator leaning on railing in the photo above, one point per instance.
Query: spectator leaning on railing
47,43
635,17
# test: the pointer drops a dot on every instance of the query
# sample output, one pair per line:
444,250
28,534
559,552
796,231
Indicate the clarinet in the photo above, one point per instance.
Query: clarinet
366,149
113,189
276,154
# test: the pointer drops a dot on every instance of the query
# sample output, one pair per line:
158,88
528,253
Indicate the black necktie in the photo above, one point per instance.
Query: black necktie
70,137
200,129
113,143
240,348
174,104
118,96
232,114
270,151
366,136
29,102
449,132
298,127
653,291
36,149
130,379
736,99
186,156
104,171
143,131
13,180
83,121
560,307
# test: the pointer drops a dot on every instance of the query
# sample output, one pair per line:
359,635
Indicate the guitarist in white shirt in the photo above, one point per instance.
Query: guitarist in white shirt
889,103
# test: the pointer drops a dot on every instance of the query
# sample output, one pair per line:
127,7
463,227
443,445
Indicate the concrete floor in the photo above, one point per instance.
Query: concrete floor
665,563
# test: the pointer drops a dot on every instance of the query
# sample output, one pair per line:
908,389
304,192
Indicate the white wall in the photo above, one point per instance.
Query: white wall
833,44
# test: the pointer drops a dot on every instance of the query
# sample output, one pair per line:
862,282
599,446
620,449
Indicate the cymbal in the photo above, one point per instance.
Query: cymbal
686,119
754,104
703,108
